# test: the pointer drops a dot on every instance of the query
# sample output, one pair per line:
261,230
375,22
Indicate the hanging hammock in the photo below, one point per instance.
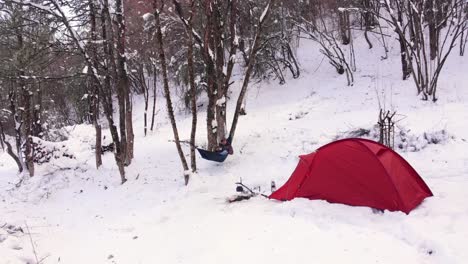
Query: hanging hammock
216,156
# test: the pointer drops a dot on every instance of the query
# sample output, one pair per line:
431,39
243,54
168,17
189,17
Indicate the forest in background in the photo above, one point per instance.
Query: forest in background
72,62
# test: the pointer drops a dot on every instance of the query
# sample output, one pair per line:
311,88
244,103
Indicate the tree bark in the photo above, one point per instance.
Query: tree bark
250,65
9,149
193,88
146,95
123,94
37,112
27,117
106,92
95,90
343,19
404,60
170,110
26,107
212,89
155,82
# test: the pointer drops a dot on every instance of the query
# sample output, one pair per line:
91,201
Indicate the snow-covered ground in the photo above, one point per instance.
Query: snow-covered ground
76,214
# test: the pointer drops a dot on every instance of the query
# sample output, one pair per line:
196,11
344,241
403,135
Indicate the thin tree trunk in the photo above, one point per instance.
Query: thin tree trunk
463,41
221,90
404,60
18,125
106,92
27,117
154,97
432,10
123,94
250,66
26,106
170,110
129,127
37,109
193,89
97,127
146,95
212,89
9,149
95,90
343,19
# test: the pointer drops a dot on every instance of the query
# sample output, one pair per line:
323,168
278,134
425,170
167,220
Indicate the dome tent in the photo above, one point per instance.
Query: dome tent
356,172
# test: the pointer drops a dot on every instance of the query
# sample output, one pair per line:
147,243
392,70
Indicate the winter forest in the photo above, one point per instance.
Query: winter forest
180,131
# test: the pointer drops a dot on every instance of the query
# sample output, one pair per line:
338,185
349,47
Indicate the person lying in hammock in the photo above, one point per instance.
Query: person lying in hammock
224,148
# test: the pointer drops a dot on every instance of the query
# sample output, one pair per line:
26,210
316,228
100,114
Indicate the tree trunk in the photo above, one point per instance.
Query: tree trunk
95,90
123,97
170,110
432,15
109,70
463,41
250,65
406,71
155,74
221,91
146,95
18,125
9,149
97,128
193,89
27,117
129,127
368,16
37,110
343,19
212,89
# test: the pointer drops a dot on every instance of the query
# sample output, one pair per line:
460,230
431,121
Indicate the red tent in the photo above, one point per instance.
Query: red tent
357,172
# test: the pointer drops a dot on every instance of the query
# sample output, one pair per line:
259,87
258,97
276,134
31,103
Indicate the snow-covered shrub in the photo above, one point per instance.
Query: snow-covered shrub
45,151
404,139
410,142
298,115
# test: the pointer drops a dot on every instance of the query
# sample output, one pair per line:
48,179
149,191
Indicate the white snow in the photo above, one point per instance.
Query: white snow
221,101
147,17
77,214
265,11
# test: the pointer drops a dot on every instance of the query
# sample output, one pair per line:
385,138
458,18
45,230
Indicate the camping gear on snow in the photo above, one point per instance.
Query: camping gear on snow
357,172
273,186
221,154
245,193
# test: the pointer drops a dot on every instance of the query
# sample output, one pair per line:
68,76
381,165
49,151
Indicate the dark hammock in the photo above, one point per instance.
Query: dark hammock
214,155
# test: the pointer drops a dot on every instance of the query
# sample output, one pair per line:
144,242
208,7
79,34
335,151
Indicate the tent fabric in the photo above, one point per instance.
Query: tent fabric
356,172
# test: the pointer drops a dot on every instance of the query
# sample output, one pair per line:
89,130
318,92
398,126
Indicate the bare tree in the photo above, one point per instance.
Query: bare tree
9,149
55,9
158,7
426,67
248,72
123,86
193,88
94,91
328,43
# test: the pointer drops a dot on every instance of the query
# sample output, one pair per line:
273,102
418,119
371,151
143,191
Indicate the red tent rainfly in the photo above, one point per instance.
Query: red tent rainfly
356,172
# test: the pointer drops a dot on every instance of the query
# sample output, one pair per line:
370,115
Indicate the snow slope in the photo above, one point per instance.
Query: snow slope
81,215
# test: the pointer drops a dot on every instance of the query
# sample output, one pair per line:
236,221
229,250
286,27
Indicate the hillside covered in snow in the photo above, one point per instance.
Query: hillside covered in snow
78,214
150,209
